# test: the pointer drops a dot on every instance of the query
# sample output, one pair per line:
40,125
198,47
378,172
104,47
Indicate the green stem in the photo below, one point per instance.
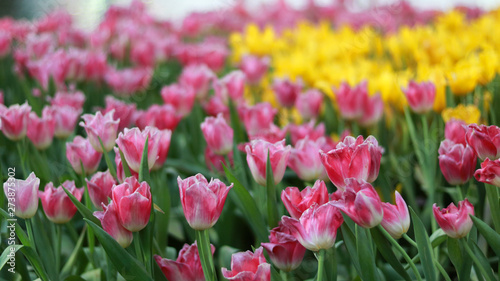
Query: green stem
492,194
284,275
205,252
441,269
58,247
20,150
401,251
111,168
460,193
413,137
407,238
475,260
138,249
29,229
321,264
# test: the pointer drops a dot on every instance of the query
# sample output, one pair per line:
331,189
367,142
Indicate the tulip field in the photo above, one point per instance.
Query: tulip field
316,143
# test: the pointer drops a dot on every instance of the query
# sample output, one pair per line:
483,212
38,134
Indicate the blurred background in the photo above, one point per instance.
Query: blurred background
88,13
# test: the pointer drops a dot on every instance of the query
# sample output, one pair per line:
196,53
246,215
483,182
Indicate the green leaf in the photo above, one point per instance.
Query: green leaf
247,205
111,168
126,169
482,260
275,275
350,244
491,236
86,212
5,255
365,254
272,206
144,170
424,247
21,235
74,255
44,246
457,256
35,261
385,249
126,265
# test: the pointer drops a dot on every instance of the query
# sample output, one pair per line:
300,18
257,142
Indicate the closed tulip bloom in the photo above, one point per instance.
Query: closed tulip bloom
187,266
131,143
218,134
257,153
309,130
56,203
121,111
120,173
484,140
65,118
360,202
455,222
163,147
181,97
81,153
99,126
254,67
373,109
309,103
74,99
489,172
199,77
231,86
396,219
214,161
25,195
457,162
111,224
455,131
216,105
297,202
258,117
317,228
248,266
41,130
133,203
420,96
353,158
99,187
202,201
14,121
350,100
285,251
272,134
286,91
159,116
306,161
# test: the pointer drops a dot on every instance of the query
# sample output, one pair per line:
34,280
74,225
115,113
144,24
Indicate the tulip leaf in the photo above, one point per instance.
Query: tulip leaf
385,249
247,205
35,261
11,249
365,254
21,235
74,255
84,211
235,123
457,256
126,169
44,246
272,206
424,247
350,244
491,236
126,265
144,169
111,168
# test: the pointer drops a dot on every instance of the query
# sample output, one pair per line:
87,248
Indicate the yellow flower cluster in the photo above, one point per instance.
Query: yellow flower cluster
451,51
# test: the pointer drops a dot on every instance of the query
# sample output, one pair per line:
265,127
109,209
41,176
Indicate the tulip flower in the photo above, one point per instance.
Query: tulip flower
56,203
272,134
163,147
257,118
309,104
231,86
297,202
181,97
133,203
372,108
455,222
159,116
285,251
131,143
484,140
81,153
127,81
218,134
309,130
254,67
65,118
120,173
420,96
287,91
353,158
317,228
121,111
455,131
360,202
99,187
202,201
489,172
74,99
257,153
248,266
111,224
306,161
187,266
216,105
349,100
24,194
41,130
14,121
396,219
457,162
214,161
99,126
199,77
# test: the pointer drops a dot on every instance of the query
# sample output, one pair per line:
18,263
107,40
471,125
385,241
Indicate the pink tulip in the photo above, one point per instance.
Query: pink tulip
297,202
216,105
420,96
360,202
353,158
457,162
309,104
454,221
484,140
121,111
306,161
373,109
1,98
14,121
257,153
111,224
248,266
231,86
99,187
163,146
128,81
103,127
187,267
285,251
218,134
131,143
257,118
350,100
75,99
65,118
317,228
181,97
41,130
81,153
214,161
396,219
120,173
455,131
159,116
202,201
25,195
56,203
309,130
489,172
287,91
272,134
254,67
133,203
199,77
